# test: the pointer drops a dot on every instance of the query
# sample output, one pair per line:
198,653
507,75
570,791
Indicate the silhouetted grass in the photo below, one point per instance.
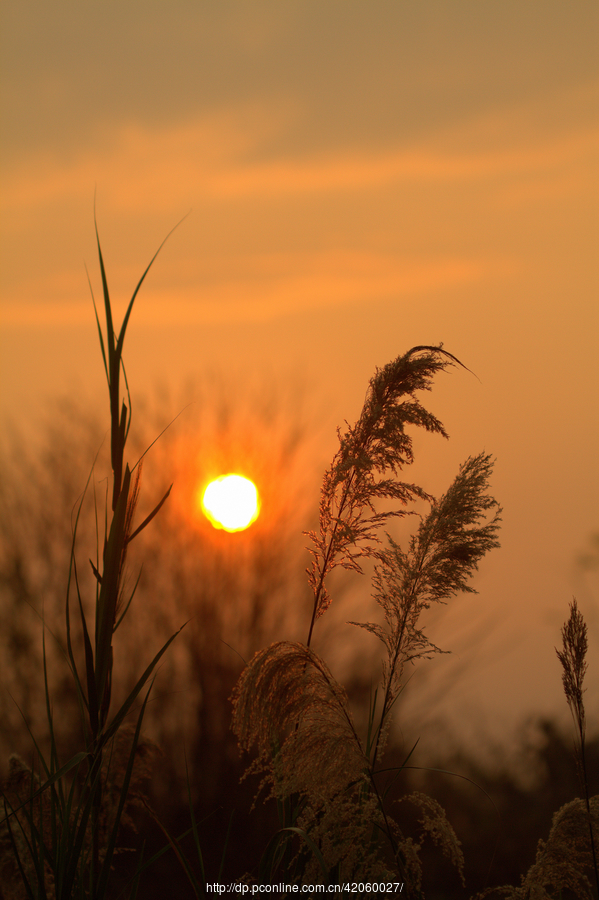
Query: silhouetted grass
343,805
64,821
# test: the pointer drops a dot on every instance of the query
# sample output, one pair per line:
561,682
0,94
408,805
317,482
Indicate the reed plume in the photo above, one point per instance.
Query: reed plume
572,656
561,861
573,659
287,702
289,705
570,849
442,555
370,453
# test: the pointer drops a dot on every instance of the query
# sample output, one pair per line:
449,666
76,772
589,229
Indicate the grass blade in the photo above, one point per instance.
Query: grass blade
118,719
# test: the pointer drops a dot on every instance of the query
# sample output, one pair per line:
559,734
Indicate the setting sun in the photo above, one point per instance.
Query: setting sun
231,502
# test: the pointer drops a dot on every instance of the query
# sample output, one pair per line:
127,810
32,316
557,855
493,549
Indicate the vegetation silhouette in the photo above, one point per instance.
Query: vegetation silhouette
90,791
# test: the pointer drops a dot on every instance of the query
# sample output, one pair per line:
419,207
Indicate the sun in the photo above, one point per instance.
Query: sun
231,502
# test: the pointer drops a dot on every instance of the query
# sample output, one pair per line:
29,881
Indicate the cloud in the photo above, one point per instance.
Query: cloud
263,286
230,155
486,170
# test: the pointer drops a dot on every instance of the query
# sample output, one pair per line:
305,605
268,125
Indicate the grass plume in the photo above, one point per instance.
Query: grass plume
287,702
570,850
441,557
572,656
62,823
370,455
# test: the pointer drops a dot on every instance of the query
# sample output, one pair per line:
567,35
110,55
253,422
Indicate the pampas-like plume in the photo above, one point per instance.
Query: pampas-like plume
289,705
573,660
435,824
571,847
562,860
287,702
374,448
442,555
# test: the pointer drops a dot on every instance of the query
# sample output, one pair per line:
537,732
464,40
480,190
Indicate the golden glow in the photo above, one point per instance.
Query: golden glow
231,502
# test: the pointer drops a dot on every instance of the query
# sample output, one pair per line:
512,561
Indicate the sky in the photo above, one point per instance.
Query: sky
357,178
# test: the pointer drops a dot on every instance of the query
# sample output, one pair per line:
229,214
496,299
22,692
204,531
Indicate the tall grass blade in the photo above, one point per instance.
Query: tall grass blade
149,518
100,335
119,717
52,779
109,591
107,862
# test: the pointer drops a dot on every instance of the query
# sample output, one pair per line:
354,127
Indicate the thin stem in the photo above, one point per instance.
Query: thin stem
327,557
386,700
588,804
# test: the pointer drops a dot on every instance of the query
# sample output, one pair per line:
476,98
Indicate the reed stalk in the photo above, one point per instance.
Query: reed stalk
61,830
287,702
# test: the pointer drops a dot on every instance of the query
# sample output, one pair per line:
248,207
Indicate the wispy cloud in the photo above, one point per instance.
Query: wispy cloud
230,156
263,287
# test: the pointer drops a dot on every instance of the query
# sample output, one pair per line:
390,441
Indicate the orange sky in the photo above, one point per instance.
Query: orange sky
362,177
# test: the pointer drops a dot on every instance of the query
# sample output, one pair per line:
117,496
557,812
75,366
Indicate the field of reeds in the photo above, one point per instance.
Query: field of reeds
328,798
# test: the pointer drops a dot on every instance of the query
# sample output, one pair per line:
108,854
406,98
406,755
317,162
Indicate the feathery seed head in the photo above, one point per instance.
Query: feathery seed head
287,699
573,660
370,455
